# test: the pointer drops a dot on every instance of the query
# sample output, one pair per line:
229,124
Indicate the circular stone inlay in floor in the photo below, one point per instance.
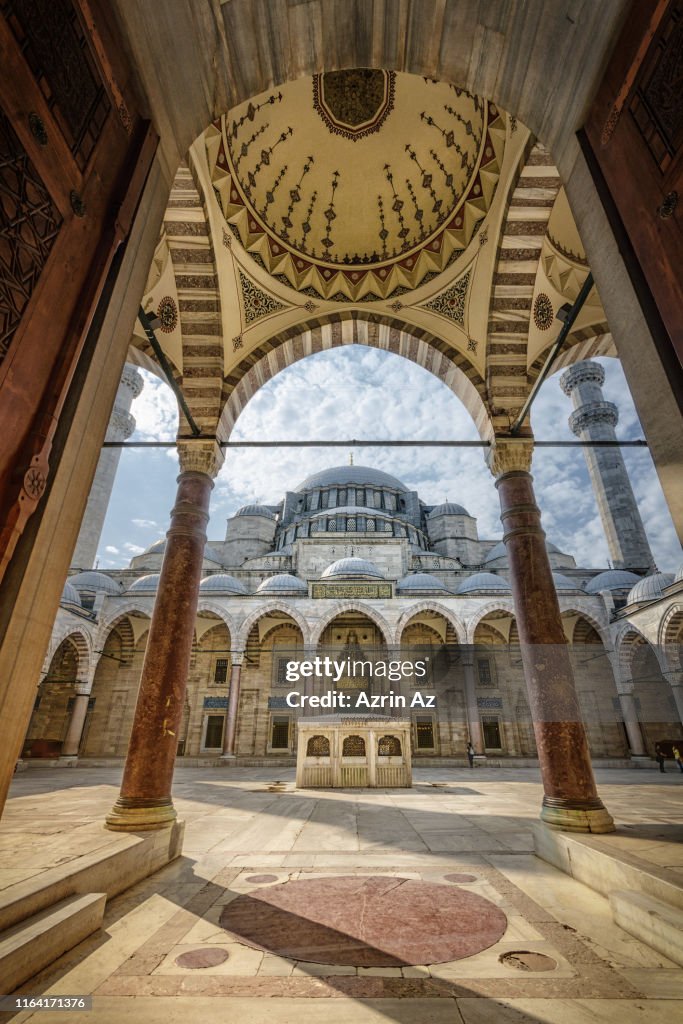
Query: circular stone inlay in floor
373,921
527,960
196,958
261,878
460,878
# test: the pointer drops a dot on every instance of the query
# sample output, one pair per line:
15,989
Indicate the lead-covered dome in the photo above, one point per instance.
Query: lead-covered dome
70,595
145,584
255,510
222,583
650,587
352,568
421,583
612,579
564,582
448,508
360,476
95,582
483,583
283,584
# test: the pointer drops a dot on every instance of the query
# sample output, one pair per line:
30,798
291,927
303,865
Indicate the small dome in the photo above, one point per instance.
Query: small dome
612,579
499,551
145,584
95,581
483,582
448,508
255,510
564,583
352,567
650,587
283,583
157,548
421,582
70,595
222,583
361,476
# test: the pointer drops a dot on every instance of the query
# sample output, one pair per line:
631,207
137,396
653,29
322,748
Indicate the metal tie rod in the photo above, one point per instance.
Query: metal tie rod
353,443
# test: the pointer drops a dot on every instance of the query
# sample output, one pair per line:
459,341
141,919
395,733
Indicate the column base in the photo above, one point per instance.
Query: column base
591,817
122,818
68,760
642,761
228,757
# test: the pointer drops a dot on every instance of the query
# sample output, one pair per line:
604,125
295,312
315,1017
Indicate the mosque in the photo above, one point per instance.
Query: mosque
351,559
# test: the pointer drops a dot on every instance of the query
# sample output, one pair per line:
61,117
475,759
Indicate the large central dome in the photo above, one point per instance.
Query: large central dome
329,176
360,476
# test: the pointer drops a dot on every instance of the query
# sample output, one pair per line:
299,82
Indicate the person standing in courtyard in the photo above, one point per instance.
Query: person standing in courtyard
677,757
470,755
659,756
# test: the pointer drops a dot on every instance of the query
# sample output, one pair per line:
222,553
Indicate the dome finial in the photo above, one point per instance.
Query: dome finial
350,458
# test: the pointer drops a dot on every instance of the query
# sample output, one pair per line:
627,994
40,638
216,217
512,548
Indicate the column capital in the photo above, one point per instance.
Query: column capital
508,455
237,657
200,456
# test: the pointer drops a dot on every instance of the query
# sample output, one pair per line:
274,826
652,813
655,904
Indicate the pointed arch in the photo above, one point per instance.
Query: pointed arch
267,609
437,609
503,605
81,640
341,608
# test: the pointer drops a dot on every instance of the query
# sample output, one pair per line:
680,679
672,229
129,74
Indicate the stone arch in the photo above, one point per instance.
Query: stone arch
347,327
599,627
114,621
503,605
438,609
625,645
216,609
670,638
267,609
340,608
81,640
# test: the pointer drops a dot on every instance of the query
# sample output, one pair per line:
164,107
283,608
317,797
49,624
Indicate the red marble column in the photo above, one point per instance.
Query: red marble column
75,730
571,801
145,799
233,707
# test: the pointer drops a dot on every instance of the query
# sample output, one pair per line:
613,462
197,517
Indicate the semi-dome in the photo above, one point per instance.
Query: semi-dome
650,587
360,476
283,583
222,583
90,580
612,579
564,582
448,508
70,595
483,582
255,510
421,582
352,567
145,584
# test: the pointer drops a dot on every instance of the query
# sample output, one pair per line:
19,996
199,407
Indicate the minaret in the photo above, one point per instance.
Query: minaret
121,426
594,419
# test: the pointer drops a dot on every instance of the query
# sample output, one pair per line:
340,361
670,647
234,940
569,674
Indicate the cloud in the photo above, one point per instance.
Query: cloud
358,392
111,550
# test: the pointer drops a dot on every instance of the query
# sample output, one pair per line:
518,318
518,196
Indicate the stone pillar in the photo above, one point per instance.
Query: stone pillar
233,706
631,723
594,419
670,664
473,723
145,799
78,713
571,800
121,426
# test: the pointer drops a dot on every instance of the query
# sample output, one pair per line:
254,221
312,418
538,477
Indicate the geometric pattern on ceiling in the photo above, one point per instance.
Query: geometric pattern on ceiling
451,303
364,198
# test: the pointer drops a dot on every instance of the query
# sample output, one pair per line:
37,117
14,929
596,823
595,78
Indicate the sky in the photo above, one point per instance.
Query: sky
360,392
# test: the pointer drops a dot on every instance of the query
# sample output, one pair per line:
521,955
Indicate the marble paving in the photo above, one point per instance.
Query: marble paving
165,955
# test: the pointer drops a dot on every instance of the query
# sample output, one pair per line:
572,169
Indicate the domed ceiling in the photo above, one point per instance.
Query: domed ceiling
358,184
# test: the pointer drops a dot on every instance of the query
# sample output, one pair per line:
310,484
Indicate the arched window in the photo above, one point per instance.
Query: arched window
318,746
353,746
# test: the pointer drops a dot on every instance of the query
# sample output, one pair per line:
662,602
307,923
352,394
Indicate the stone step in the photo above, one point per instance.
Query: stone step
30,946
657,924
604,865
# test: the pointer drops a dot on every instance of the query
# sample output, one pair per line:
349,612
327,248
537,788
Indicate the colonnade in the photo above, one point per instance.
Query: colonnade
570,798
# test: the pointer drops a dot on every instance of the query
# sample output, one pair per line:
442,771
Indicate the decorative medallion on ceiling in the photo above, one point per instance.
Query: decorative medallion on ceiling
354,103
361,187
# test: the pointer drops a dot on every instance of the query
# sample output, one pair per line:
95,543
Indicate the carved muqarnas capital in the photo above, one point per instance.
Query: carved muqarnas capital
200,457
506,456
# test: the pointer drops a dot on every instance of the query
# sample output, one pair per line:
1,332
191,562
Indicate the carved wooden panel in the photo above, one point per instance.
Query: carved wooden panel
29,225
55,48
657,102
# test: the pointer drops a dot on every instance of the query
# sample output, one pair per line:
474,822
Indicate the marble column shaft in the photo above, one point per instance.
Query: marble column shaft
75,730
631,724
233,710
571,800
473,723
145,799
